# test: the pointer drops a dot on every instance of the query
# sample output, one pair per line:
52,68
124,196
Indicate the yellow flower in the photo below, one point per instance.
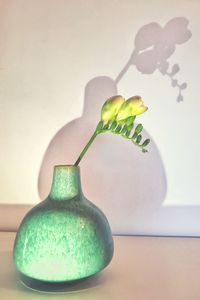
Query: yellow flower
111,108
132,107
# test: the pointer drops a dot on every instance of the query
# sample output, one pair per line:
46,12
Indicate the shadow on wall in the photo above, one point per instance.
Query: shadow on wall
126,184
154,45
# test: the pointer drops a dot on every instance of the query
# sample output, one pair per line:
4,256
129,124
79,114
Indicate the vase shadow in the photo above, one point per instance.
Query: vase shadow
116,176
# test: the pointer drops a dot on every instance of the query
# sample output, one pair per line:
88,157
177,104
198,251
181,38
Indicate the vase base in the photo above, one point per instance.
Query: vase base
57,287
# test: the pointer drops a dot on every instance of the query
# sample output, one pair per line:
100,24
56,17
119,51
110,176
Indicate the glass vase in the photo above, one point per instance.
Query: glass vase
64,238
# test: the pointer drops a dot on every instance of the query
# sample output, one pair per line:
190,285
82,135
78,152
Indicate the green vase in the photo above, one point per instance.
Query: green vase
65,238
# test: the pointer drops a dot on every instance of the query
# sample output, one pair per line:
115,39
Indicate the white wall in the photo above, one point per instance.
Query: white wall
58,56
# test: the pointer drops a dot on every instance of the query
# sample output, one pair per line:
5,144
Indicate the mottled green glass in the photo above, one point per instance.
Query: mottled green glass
65,237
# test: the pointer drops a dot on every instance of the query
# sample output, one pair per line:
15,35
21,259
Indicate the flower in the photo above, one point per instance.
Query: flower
111,108
132,107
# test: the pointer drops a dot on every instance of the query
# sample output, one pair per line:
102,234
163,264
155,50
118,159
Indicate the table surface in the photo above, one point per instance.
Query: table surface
143,268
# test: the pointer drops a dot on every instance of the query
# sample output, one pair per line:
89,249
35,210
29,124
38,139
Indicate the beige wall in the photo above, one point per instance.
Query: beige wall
49,51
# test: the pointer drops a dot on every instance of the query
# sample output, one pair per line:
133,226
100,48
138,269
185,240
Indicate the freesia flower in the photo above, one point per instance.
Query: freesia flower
111,108
132,107
118,116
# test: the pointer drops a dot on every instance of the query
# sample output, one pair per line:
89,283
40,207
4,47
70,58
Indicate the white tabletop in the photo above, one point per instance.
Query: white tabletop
143,268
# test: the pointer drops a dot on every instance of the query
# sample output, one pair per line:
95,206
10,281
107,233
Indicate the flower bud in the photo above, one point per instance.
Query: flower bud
138,128
146,142
139,138
132,107
111,108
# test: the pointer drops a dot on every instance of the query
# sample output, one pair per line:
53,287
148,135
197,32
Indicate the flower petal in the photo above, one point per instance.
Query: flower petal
132,107
111,108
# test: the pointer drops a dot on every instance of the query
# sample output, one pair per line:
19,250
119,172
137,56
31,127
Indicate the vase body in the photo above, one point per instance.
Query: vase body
65,237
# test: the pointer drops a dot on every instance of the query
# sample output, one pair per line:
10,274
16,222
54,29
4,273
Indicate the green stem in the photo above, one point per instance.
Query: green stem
86,148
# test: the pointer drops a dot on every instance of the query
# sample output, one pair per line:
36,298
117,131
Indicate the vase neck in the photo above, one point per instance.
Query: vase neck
66,182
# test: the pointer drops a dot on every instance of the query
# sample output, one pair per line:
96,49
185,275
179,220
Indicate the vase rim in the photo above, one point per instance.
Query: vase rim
67,166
